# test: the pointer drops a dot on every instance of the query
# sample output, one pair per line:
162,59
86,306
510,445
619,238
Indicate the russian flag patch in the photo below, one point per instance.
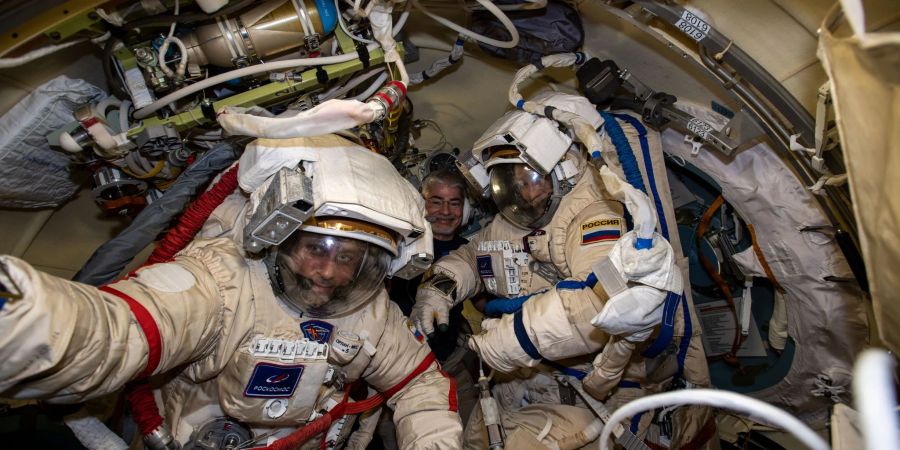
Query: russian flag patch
415,331
601,230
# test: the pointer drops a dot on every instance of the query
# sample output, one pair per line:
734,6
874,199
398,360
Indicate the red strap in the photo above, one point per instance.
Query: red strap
423,366
148,324
454,403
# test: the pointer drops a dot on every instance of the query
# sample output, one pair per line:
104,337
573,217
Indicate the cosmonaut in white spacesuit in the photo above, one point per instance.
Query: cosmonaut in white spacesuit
539,256
266,344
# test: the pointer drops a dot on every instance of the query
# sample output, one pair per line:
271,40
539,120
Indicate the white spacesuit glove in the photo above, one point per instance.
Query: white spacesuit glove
631,314
434,298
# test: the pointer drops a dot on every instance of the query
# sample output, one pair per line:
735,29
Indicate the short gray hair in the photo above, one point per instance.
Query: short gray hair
447,177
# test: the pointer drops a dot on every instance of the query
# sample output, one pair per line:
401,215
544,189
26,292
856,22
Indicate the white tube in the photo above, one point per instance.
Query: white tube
123,116
874,394
513,33
6,63
182,64
374,87
338,91
757,410
243,72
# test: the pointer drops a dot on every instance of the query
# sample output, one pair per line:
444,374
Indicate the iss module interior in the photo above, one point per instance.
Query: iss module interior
751,142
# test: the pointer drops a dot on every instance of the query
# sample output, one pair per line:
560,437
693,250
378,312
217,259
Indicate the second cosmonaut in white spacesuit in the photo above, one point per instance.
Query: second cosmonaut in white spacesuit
256,346
539,257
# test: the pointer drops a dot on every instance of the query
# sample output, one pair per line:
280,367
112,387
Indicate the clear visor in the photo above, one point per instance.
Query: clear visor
522,195
325,276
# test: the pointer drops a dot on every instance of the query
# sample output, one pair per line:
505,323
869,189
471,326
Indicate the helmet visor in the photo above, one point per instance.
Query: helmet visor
521,194
325,275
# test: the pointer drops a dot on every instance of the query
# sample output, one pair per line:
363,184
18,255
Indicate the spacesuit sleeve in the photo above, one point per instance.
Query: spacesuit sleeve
68,342
556,323
425,406
460,266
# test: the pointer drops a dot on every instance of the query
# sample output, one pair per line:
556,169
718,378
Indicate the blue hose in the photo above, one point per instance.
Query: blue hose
623,150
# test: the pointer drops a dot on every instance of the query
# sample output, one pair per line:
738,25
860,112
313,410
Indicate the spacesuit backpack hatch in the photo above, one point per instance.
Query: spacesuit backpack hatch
553,257
253,348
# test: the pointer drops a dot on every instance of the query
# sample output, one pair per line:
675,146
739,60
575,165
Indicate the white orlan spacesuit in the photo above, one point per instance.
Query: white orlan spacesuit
556,221
231,348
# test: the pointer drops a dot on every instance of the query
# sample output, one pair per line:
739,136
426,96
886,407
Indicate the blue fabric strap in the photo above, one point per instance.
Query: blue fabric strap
522,337
686,338
532,351
626,384
668,326
636,422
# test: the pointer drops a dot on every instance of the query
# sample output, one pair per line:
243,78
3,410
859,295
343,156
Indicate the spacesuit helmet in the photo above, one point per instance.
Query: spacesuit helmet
527,163
333,265
332,220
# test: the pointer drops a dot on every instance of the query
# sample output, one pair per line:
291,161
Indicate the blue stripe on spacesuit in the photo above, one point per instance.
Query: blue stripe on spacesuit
532,351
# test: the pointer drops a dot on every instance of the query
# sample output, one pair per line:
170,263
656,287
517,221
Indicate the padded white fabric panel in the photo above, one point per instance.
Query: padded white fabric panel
867,107
826,319
32,174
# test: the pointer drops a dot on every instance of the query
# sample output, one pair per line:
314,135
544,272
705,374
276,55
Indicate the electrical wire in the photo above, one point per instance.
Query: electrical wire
514,34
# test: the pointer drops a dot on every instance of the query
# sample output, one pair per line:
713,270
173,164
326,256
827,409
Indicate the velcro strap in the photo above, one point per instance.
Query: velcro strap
148,325
321,75
363,53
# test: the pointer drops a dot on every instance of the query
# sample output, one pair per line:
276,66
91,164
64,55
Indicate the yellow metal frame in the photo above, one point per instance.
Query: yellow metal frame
267,94
57,23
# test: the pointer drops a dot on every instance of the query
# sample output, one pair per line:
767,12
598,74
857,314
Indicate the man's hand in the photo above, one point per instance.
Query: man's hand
433,302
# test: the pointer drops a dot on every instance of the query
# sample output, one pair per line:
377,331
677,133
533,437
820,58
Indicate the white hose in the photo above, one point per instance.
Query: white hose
372,88
339,90
874,394
123,116
401,21
182,64
6,63
757,410
513,33
243,72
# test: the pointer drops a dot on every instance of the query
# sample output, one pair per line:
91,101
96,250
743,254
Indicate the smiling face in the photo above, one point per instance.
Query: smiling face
325,264
444,209
324,275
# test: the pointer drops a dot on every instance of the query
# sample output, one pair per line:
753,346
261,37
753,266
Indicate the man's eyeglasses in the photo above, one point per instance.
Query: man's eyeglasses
436,203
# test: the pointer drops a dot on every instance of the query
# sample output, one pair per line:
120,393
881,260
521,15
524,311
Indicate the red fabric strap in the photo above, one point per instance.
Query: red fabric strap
148,324
423,366
454,403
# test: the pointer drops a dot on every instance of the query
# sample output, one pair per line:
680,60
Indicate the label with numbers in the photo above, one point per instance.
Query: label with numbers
693,26
699,127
